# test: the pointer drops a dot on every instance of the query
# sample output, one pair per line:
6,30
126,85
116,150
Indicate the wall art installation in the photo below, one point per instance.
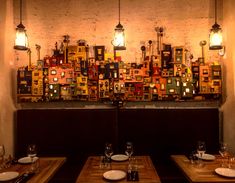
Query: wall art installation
71,73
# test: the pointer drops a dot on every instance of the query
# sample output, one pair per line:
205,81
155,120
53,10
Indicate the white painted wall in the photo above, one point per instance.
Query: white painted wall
186,22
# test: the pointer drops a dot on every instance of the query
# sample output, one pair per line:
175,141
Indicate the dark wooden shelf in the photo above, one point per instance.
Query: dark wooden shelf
126,105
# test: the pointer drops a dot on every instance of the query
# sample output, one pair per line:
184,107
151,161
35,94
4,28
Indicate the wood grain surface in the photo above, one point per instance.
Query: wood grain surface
93,173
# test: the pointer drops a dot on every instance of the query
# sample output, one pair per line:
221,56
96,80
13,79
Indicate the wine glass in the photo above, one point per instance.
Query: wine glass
223,151
32,151
201,149
129,149
108,150
2,151
108,153
2,154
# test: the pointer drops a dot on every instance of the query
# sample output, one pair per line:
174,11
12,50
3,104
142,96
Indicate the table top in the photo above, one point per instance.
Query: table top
47,168
93,173
203,174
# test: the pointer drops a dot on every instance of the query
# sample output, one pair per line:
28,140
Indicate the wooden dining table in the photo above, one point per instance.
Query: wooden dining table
201,174
47,168
93,173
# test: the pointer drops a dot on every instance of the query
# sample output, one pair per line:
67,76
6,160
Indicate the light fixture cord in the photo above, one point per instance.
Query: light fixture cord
21,11
215,11
119,7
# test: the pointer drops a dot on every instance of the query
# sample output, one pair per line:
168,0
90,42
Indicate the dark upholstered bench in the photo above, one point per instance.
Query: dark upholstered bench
78,133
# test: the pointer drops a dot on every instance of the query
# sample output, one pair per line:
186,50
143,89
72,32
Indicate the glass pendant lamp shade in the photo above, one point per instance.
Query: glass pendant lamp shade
21,40
216,38
119,38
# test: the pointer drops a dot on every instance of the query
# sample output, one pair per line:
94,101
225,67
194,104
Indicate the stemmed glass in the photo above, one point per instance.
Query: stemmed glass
2,154
129,149
201,149
223,150
108,150
2,151
32,151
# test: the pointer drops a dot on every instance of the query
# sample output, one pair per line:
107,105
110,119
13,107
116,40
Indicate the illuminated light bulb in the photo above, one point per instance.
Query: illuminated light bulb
216,39
21,41
119,38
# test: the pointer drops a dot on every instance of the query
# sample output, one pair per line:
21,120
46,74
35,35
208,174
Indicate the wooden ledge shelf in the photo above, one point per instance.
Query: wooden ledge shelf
127,105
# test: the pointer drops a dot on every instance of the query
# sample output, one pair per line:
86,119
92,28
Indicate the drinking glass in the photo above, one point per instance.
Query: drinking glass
231,161
129,149
108,153
108,150
201,149
223,151
32,151
193,157
2,154
2,151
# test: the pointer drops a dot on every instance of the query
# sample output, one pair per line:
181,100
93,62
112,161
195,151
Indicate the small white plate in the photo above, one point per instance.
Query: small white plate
26,160
119,157
114,175
5,176
226,172
207,157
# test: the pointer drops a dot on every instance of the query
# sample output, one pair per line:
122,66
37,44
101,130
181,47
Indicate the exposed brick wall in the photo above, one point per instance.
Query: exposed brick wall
186,22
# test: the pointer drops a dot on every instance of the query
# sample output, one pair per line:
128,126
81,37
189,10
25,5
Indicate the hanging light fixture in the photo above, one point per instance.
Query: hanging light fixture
21,41
119,36
216,38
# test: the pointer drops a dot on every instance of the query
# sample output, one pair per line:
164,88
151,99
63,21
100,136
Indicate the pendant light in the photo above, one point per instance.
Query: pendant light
21,41
119,36
216,38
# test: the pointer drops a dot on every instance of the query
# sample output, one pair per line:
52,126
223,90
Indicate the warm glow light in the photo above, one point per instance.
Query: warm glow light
21,41
119,38
216,39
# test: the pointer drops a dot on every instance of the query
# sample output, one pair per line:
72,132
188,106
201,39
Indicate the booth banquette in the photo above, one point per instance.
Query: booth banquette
78,133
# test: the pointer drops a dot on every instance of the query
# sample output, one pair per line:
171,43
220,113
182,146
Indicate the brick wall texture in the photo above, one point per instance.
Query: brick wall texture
186,22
